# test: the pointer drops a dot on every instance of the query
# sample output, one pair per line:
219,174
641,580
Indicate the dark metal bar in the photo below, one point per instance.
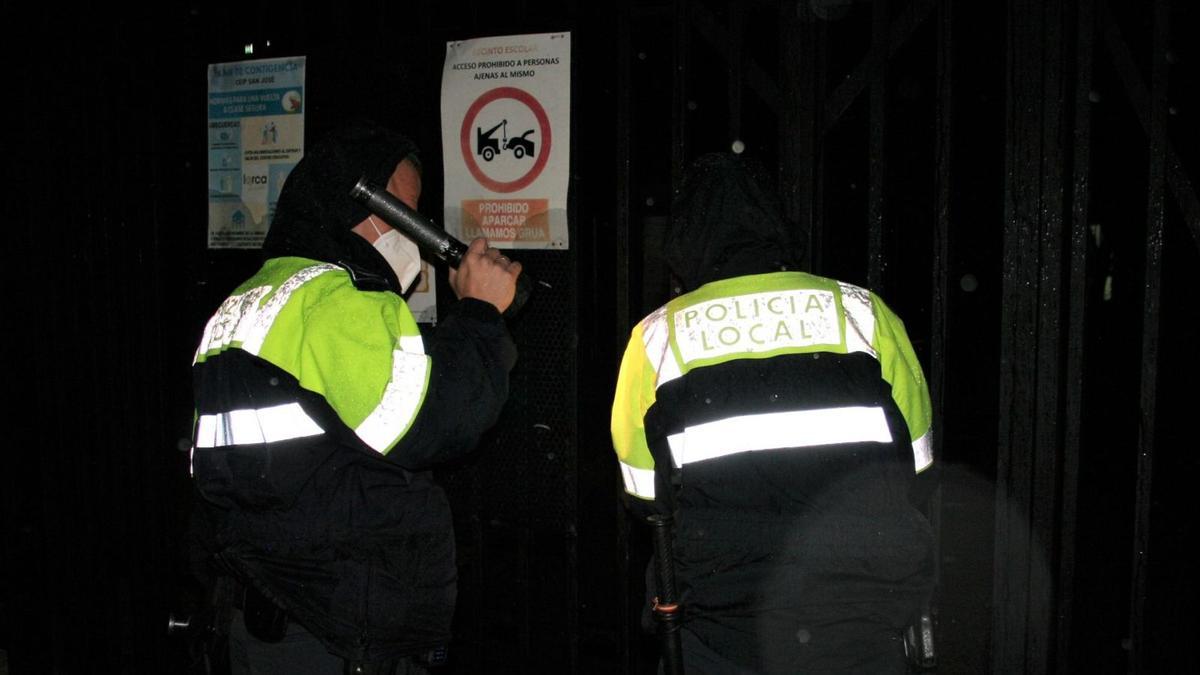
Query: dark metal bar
621,220
624,154
939,312
1029,464
630,610
572,597
681,34
1127,70
476,644
900,33
799,149
1018,317
790,175
734,82
707,27
1076,325
816,38
877,165
525,548
1046,469
1155,224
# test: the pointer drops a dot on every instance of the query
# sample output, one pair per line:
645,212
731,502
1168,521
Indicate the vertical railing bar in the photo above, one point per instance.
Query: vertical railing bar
1155,217
1044,507
681,30
1135,88
877,165
1077,323
941,249
735,81
623,203
1017,395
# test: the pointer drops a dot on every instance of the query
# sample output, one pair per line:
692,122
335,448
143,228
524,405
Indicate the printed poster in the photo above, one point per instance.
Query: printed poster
255,137
422,302
506,138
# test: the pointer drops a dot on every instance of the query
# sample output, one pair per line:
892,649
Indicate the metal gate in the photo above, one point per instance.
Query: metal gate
1018,180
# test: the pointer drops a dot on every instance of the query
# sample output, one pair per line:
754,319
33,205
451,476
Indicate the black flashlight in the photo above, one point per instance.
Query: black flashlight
432,240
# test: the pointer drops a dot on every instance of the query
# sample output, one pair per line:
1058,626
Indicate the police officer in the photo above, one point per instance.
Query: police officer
321,409
781,418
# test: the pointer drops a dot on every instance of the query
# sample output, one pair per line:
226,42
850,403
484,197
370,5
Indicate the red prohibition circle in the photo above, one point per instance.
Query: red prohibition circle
465,139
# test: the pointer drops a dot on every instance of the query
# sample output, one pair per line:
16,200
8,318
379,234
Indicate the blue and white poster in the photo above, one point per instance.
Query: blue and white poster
255,137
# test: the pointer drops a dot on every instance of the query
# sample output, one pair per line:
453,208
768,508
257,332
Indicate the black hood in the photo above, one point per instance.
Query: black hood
315,211
727,222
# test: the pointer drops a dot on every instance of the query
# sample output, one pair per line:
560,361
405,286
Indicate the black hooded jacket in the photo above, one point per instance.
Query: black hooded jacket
356,544
315,213
727,223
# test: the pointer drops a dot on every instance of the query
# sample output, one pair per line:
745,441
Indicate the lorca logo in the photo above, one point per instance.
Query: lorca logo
759,322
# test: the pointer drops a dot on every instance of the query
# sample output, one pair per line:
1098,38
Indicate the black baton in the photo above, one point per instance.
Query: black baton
432,240
666,605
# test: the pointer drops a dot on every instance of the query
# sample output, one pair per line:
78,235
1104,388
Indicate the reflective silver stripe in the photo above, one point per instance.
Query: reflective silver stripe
656,336
249,427
252,333
220,330
638,482
796,429
401,400
860,320
412,344
241,319
923,451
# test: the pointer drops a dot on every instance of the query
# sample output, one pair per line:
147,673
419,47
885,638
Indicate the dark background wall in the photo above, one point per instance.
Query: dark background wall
1018,180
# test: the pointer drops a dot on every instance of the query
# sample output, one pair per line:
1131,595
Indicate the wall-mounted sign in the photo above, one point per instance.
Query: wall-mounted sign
506,138
422,302
255,137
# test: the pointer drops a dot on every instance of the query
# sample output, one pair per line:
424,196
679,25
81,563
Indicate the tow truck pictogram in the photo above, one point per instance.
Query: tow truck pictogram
488,146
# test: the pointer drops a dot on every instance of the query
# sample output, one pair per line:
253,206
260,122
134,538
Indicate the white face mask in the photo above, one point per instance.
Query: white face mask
400,253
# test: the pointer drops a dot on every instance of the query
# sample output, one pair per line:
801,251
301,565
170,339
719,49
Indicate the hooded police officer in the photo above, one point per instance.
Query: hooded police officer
780,418
321,408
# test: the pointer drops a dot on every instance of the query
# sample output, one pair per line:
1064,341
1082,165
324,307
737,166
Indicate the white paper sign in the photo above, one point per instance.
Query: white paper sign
506,138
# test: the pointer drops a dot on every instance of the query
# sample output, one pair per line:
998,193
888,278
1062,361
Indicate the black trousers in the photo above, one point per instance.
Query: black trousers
298,653
882,655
